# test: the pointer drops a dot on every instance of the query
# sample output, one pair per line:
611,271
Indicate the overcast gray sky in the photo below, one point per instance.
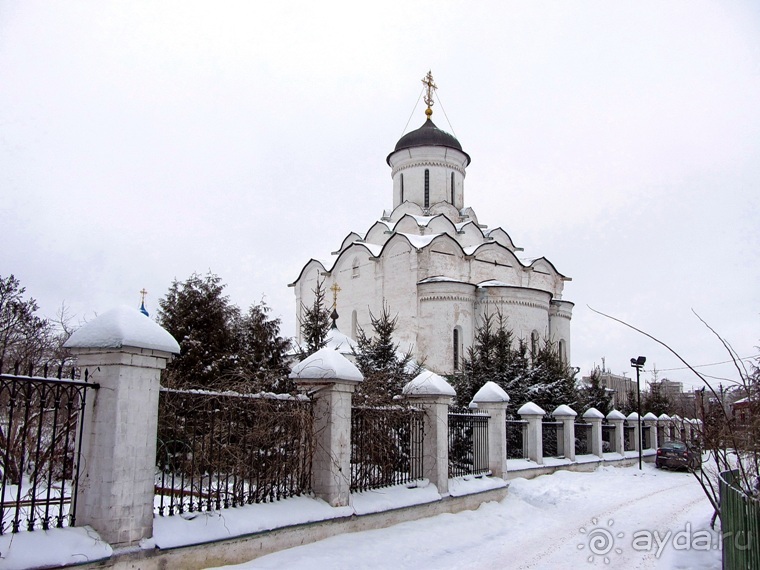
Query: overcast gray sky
143,141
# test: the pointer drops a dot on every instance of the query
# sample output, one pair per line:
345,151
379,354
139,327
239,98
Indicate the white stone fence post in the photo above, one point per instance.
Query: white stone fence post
566,415
633,420
493,400
124,351
617,419
330,379
433,394
533,414
595,417
650,421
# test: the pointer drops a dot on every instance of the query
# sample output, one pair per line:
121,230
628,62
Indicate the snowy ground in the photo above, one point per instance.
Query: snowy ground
613,518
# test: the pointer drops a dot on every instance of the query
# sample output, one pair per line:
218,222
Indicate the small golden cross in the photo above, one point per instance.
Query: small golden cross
143,292
430,86
335,290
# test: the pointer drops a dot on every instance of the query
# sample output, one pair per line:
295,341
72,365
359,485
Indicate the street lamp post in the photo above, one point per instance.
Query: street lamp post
638,364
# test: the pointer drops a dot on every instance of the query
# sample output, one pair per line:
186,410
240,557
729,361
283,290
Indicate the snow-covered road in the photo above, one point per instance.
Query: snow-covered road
634,519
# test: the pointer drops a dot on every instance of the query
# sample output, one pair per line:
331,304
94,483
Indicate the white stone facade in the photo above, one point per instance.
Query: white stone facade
436,267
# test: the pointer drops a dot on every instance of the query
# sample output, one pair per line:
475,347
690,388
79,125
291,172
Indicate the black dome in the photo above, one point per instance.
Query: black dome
428,135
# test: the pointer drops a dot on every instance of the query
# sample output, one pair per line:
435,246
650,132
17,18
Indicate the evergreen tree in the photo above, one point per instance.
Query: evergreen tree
495,356
551,381
656,401
593,394
262,351
631,402
202,319
385,369
315,323
25,338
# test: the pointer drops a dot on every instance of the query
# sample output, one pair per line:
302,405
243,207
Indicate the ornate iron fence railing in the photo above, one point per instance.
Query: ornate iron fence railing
582,438
386,446
608,437
516,433
468,443
629,439
218,450
550,434
40,442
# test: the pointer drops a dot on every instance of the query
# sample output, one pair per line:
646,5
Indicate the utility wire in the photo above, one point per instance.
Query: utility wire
445,115
412,113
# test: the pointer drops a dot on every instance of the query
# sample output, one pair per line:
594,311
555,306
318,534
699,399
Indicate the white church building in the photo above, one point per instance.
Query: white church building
436,267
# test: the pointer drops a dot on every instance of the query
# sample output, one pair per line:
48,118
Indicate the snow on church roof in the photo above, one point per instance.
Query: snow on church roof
419,242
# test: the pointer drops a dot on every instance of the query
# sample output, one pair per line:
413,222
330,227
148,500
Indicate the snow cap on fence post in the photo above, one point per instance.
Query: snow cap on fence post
433,394
564,411
491,399
490,392
124,352
334,379
325,364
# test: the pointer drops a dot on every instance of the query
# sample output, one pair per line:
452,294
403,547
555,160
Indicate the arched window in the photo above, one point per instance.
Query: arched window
534,344
402,188
562,352
456,348
427,188
452,187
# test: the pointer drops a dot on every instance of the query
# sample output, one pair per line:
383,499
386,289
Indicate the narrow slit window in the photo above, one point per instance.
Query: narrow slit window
402,188
427,188
456,349
452,187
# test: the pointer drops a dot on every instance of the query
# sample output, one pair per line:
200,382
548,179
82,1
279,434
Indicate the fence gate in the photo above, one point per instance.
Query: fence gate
40,443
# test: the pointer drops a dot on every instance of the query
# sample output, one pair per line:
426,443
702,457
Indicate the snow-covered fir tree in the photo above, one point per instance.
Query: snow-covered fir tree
542,377
220,347
594,394
386,370
314,322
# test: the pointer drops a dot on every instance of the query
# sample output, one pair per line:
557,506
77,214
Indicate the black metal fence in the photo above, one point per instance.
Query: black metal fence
516,433
646,437
40,441
551,432
629,437
582,438
386,446
219,450
608,438
468,443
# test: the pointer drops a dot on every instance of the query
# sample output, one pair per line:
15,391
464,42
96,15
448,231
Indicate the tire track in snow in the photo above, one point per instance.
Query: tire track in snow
544,552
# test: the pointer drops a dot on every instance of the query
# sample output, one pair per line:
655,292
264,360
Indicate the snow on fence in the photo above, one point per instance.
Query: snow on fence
218,450
468,443
40,439
386,446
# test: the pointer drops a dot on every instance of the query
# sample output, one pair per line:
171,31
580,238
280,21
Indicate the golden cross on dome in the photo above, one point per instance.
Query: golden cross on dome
430,87
143,292
335,290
